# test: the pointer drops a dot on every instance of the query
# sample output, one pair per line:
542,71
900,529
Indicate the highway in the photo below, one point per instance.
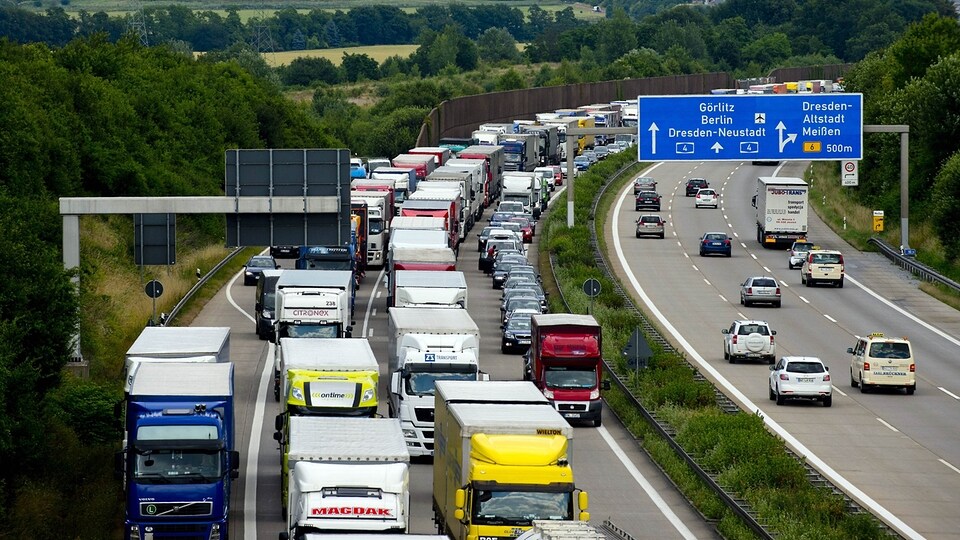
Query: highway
624,485
900,452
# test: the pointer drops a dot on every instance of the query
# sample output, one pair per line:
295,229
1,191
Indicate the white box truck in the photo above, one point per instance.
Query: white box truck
176,344
782,206
426,345
430,288
522,187
345,474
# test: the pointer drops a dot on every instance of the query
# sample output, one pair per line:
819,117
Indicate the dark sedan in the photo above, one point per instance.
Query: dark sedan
696,184
649,200
485,264
516,335
254,268
285,252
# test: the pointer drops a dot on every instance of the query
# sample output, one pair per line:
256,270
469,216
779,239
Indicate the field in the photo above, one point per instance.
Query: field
377,52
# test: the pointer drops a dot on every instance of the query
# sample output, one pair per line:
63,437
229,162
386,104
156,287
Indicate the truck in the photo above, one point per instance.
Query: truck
176,344
344,475
565,363
379,201
522,187
422,164
326,377
437,258
426,345
503,448
419,238
430,288
548,529
265,302
494,156
179,459
359,234
314,303
477,169
520,151
404,182
455,144
433,205
440,153
448,179
548,142
562,124
402,223
782,206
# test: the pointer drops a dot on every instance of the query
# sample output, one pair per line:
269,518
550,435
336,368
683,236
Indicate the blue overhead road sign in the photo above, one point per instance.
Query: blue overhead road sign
751,127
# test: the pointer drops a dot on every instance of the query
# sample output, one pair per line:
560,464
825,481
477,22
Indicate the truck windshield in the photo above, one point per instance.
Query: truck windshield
570,377
520,507
327,264
376,226
311,331
424,383
177,466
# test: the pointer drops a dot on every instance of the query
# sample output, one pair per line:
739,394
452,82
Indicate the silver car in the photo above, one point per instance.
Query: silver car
760,289
798,253
650,224
644,183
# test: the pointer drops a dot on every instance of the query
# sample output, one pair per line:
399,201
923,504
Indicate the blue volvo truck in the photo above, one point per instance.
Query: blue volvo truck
179,460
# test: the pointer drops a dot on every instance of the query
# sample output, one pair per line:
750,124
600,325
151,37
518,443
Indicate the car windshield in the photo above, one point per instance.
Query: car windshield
311,331
510,226
890,350
805,367
826,258
517,280
802,246
519,324
569,377
747,329
177,466
423,383
523,303
260,263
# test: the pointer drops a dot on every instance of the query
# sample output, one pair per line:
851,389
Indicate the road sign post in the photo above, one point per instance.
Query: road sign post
591,288
751,127
850,172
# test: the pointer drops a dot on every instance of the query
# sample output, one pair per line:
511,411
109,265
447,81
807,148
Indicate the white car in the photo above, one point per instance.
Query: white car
798,253
706,197
747,339
800,377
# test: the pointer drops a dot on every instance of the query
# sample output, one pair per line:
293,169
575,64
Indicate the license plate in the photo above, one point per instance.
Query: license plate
754,355
572,415
804,379
524,342
888,368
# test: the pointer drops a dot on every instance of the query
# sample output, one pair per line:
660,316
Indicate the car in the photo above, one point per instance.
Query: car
715,242
489,252
501,269
591,155
548,174
706,197
749,339
497,217
760,289
522,281
644,183
528,311
285,252
800,377
516,335
513,227
520,302
822,265
254,267
505,255
696,184
798,252
614,148
526,269
881,361
484,235
581,163
527,227
558,174
648,200
510,207
602,151
650,224
523,289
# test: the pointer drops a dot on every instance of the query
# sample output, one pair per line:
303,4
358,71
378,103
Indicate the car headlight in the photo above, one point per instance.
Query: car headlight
297,393
267,314
508,335
248,273
369,394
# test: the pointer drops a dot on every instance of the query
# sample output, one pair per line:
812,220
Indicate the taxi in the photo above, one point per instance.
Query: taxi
881,361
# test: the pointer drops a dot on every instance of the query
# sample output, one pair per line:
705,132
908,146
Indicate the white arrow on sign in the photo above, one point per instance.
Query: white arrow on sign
716,147
653,129
791,137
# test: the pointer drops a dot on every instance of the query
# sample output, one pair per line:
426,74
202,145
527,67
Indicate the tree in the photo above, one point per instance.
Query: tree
510,80
496,44
304,71
922,45
945,213
768,50
359,66
615,37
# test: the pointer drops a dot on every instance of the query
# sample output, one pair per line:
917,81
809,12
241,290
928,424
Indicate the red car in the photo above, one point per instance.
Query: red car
526,228
557,175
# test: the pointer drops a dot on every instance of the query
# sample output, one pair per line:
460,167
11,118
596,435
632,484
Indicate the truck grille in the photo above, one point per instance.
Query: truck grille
571,407
175,509
428,446
180,532
428,435
424,414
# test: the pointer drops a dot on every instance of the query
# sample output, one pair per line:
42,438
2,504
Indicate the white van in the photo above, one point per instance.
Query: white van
878,360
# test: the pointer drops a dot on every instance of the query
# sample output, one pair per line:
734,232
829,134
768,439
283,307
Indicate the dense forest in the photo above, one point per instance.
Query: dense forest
98,114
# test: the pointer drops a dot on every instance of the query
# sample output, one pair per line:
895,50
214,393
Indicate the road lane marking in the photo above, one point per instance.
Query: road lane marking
949,393
829,318
722,298
374,312
906,313
705,281
956,470
767,270
888,425
754,256
695,269
645,485
839,391
370,333
804,299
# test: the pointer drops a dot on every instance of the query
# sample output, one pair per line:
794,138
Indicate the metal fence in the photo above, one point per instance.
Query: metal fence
910,264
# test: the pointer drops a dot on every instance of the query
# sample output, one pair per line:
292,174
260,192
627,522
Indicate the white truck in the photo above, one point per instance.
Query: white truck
404,183
402,223
426,345
782,205
176,344
417,258
477,168
345,474
314,303
430,288
438,194
379,216
445,178
522,187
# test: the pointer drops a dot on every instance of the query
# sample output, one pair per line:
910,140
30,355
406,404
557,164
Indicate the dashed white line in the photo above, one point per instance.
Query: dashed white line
888,425
956,470
949,393
370,332
379,293
374,312
754,256
829,318
784,285
744,246
706,281
741,315
695,269
767,270
722,298
804,299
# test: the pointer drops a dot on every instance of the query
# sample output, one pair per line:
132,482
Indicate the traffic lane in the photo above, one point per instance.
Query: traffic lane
755,385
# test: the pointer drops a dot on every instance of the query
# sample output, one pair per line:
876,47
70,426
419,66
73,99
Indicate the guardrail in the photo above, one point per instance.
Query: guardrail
910,264
164,321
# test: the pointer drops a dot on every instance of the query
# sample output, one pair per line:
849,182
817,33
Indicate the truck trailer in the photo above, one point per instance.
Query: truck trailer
493,154
782,206
430,289
327,377
427,345
179,458
404,181
344,475
176,344
417,258
502,460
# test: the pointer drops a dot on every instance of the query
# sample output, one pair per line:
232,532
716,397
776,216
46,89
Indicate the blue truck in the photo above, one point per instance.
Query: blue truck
179,461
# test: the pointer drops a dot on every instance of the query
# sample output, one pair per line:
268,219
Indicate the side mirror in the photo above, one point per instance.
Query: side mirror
772,368
234,460
395,384
278,436
773,332
583,500
605,385
278,422
826,368
258,306
849,350
118,465
725,331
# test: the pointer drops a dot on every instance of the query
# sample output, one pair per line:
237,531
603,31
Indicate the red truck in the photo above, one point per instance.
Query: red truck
494,156
423,164
418,258
446,209
565,363
441,153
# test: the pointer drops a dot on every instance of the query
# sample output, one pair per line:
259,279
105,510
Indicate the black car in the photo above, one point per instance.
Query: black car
504,267
516,335
520,302
695,184
523,289
485,263
648,199
254,268
285,252
483,236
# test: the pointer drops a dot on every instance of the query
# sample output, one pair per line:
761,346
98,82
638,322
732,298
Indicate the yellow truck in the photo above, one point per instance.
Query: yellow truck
501,460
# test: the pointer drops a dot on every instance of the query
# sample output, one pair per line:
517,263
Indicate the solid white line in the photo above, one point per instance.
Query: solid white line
788,438
829,318
956,470
253,451
366,317
906,313
649,489
949,393
839,391
804,299
888,425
